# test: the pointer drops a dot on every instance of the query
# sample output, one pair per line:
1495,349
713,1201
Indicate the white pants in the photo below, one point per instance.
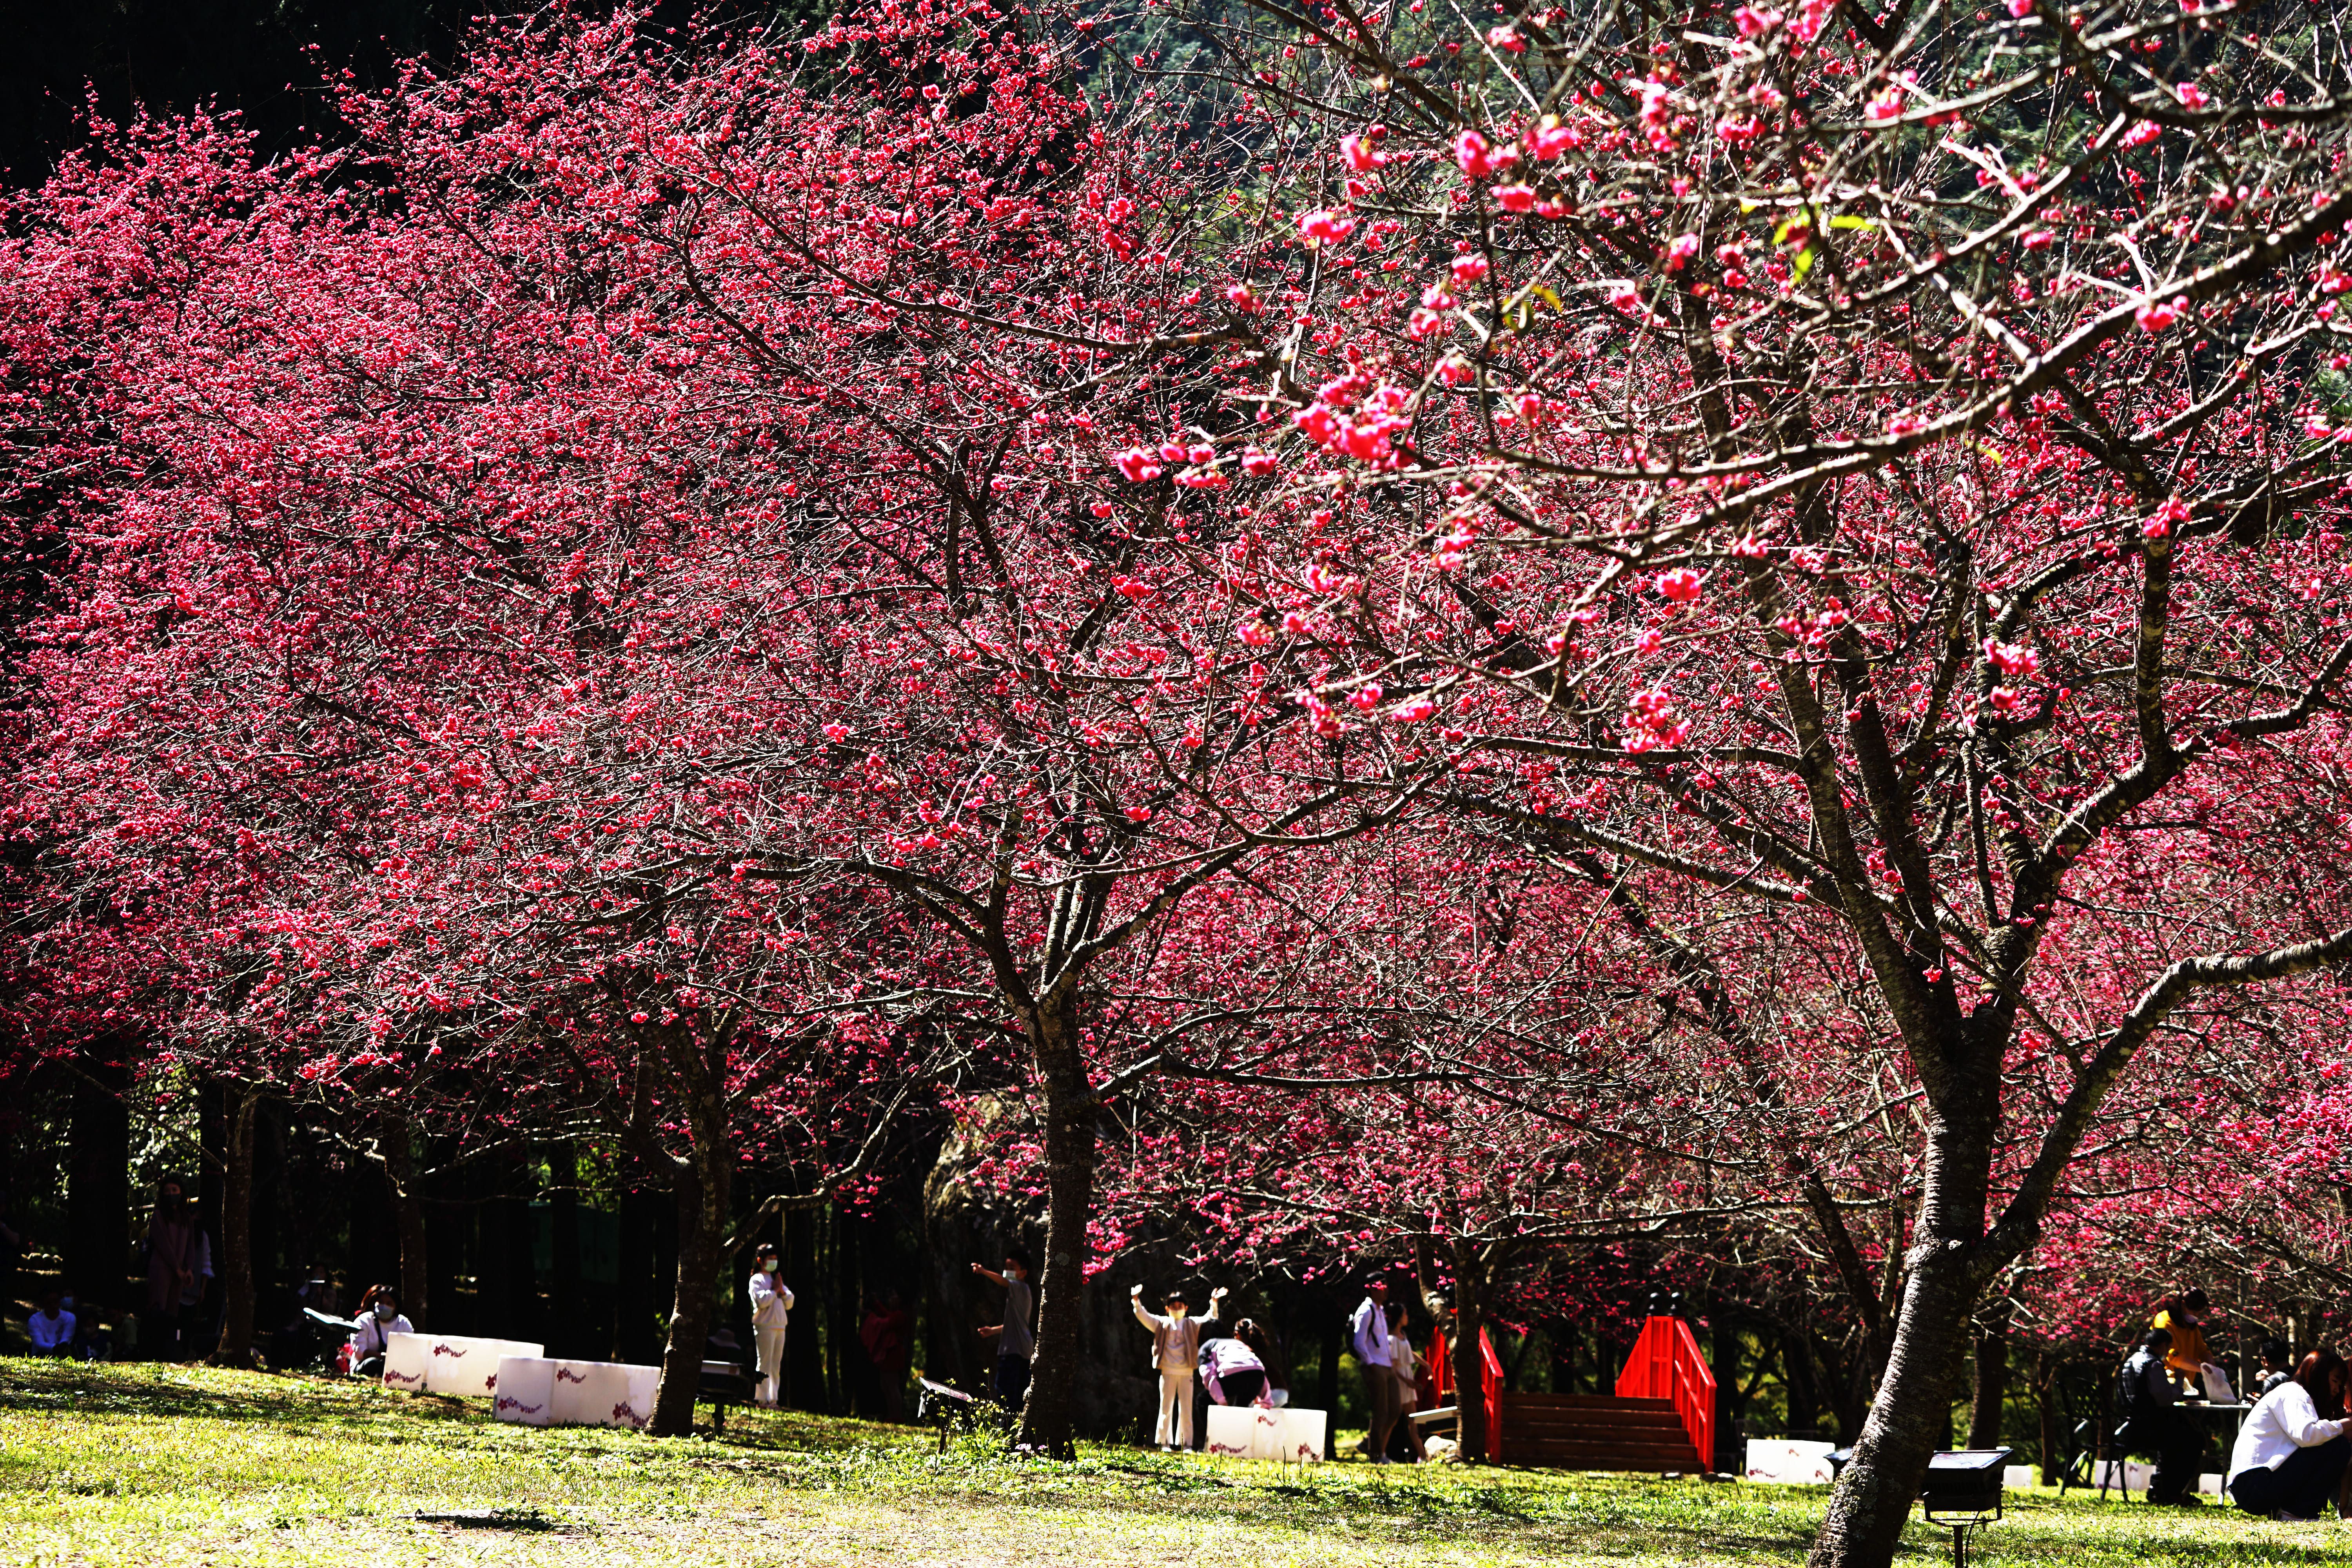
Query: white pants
1175,1407
771,1363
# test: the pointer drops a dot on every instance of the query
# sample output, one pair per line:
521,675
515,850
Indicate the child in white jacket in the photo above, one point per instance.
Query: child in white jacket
1176,1351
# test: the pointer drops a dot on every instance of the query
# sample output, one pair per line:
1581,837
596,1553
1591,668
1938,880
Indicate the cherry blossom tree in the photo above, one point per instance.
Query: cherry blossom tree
1874,478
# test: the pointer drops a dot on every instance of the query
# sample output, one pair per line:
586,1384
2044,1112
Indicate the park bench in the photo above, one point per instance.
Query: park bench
722,1383
942,1406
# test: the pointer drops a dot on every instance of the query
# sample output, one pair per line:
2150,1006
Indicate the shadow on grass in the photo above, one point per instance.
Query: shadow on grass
192,1391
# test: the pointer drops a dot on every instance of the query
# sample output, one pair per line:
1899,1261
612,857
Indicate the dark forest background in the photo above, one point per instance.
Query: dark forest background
268,61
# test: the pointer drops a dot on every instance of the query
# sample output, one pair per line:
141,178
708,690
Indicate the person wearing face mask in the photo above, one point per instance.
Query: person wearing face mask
771,1307
379,1316
1015,1342
1176,1351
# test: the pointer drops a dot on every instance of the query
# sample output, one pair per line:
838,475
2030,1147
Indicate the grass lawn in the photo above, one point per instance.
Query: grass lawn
161,1466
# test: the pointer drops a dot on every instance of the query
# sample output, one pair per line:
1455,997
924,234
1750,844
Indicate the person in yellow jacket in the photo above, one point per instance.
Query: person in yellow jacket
2190,1360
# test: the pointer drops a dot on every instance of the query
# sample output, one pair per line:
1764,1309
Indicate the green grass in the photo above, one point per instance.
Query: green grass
164,1466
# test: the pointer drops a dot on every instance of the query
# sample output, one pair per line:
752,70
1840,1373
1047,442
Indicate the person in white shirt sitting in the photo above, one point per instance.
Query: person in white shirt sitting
2292,1452
52,1327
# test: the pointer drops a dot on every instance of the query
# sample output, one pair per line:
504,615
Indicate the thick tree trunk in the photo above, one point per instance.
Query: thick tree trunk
1913,1407
1469,1363
407,1219
236,1347
704,1191
1874,1495
1070,1155
1991,1382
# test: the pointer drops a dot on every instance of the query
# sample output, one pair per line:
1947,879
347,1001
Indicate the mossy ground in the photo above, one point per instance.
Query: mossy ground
164,1466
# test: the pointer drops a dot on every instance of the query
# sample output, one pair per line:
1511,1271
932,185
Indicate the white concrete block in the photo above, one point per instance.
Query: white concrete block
468,1367
1300,1434
526,1389
1789,1461
404,1359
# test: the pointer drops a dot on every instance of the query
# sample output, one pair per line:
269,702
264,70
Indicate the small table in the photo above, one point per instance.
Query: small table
2238,1410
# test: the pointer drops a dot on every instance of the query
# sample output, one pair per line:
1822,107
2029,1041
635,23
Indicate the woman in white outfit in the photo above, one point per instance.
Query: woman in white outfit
2290,1454
771,1306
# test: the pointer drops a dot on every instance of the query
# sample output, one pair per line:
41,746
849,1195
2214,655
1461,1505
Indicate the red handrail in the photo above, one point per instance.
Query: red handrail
1490,1392
1665,1364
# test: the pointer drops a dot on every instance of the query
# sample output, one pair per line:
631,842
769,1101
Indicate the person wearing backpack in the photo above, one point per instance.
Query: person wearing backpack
2153,1422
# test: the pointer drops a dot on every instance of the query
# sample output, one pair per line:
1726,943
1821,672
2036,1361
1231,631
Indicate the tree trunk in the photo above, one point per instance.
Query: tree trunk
804,1343
633,1337
236,1347
2046,1380
1723,1339
1799,1377
407,1219
96,1251
1070,1154
565,1297
1874,1495
1991,1390
1469,1362
1327,1377
704,1190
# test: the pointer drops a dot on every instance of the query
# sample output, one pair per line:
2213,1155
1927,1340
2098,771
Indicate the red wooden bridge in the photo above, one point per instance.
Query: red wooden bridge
1662,1417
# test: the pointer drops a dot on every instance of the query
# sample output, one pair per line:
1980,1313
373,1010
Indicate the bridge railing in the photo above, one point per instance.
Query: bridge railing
1665,1364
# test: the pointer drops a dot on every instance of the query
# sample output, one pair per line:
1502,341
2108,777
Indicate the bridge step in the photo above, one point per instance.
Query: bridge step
1592,1432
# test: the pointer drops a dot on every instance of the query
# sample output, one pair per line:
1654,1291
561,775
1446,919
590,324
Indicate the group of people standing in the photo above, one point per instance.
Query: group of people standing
1392,1373
2291,1451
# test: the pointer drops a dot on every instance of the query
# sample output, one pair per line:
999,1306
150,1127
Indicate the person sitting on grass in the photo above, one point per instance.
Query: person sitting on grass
379,1318
52,1327
2292,1452
2153,1422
